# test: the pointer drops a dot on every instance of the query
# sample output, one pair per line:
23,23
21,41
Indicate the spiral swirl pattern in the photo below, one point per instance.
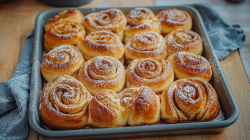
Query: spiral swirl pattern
105,110
102,43
112,20
145,45
189,100
64,33
172,19
154,73
73,15
140,20
142,104
64,59
188,65
102,72
183,40
64,103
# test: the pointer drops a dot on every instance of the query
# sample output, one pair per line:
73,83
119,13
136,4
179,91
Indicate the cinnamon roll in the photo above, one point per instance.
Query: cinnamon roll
183,40
64,102
154,73
188,65
189,100
172,19
102,72
142,104
112,20
63,33
64,59
145,45
73,15
140,20
105,110
102,43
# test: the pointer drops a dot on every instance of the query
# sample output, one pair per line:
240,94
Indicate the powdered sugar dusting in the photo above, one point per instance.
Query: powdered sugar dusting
141,26
174,17
141,19
213,62
139,16
138,80
137,12
103,41
139,99
61,57
97,21
74,100
147,44
67,29
177,42
110,101
102,81
187,93
192,63
191,93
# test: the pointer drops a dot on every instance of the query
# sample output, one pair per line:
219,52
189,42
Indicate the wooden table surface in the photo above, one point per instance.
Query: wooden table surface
17,18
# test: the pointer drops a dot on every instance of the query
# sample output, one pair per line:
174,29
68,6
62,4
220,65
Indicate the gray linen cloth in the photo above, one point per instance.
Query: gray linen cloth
224,37
14,97
14,93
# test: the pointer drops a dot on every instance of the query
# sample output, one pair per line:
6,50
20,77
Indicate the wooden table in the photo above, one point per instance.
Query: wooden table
17,18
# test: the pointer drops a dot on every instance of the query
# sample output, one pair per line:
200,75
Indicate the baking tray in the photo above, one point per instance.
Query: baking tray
218,81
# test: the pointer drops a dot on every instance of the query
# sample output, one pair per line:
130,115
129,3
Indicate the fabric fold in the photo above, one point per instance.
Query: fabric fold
14,99
224,37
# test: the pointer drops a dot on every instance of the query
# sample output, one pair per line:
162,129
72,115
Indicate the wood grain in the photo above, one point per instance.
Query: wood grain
17,18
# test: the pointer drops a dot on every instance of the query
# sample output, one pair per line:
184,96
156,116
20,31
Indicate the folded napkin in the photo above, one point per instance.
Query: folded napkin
14,97
14,93
224,37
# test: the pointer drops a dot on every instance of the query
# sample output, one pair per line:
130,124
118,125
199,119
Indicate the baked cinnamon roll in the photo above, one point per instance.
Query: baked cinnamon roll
102,72
154,73
112,20
140,20
142,104
105,110
188,65
189,100
102,43
64,59
63,33
145,45
73,15
172,19
183,40
64,103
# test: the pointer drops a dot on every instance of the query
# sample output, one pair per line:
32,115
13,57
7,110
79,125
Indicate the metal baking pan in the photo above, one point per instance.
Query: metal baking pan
218,81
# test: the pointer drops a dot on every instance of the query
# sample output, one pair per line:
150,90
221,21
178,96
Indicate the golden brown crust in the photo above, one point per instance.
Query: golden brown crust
64,102
188,65
142,104
101,43
183,40
73,15
189,99
172,19
63,33
140,20
154,73
145,45
105,110
112,20
102,72
64,59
